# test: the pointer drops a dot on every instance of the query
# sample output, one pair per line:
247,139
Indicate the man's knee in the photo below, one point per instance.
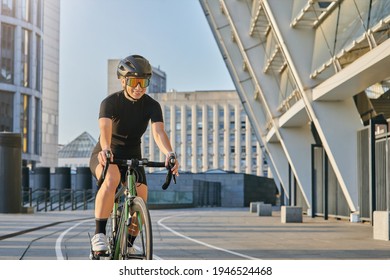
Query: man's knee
112,177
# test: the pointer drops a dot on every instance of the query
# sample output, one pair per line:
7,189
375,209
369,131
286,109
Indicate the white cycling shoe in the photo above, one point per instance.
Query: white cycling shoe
99,243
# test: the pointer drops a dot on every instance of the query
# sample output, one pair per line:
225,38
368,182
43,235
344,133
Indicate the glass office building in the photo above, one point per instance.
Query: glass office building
29,76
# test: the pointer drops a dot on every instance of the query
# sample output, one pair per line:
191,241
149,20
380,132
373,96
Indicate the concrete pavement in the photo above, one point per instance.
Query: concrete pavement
198,233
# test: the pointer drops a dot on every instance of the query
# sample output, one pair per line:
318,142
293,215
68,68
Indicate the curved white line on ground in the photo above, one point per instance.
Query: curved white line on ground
59,240
200,242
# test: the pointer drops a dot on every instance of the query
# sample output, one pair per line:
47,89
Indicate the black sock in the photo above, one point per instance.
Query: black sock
100,226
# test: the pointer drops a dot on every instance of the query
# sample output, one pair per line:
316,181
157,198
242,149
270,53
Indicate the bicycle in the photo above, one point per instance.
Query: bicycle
130,213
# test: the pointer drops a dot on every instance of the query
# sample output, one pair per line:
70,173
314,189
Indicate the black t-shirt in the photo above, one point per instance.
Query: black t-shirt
129,121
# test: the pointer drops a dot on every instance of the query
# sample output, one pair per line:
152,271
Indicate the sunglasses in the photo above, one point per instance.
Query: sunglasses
133,82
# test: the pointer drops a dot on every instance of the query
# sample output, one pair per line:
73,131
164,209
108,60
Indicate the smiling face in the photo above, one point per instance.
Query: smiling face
135,87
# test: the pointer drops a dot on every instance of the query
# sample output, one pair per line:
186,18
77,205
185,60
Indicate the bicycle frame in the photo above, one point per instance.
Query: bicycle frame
130,193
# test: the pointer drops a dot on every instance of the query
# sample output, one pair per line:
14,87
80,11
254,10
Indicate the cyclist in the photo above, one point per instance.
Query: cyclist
123,119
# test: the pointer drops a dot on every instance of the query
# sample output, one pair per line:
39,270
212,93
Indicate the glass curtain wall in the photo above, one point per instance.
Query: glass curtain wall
21,46
345,28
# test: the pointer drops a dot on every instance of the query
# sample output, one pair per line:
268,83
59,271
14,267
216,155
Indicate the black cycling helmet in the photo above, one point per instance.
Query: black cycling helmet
134,66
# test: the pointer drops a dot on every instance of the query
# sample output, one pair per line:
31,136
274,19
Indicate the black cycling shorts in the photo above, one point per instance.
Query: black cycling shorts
139,171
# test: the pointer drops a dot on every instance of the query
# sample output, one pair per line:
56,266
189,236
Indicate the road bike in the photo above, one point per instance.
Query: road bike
130,214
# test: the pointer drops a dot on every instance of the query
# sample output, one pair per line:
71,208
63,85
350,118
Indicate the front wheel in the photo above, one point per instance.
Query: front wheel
143,244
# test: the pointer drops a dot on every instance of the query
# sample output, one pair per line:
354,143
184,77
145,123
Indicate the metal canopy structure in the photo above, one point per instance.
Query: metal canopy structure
314,12
298,66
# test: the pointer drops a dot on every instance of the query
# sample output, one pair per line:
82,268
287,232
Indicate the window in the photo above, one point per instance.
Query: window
38,128
7,53
178,119
26,10
6,111
24,117
146,152
8,8
39,13
178,139
38,75
189,118
25,58
167,119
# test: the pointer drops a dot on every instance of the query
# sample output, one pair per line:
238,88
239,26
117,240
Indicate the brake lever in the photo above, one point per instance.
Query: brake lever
105,169
167,181
171,163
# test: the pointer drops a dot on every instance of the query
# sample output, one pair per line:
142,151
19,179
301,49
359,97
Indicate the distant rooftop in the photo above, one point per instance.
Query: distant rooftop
81,147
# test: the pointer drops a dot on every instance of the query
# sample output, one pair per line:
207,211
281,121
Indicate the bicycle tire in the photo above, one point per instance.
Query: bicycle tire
144,241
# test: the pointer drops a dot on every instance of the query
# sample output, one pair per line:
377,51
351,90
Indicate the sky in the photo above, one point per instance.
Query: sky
172,34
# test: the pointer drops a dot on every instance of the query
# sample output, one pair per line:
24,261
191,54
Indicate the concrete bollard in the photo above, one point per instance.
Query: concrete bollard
354,218
291,214
253,206
381,225
264,210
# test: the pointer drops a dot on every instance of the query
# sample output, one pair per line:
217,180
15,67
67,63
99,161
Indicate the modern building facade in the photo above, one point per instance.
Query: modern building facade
50,83
29,74
209,130
306,73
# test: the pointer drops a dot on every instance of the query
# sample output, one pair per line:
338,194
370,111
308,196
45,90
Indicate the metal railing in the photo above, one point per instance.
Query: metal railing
58,199
374,169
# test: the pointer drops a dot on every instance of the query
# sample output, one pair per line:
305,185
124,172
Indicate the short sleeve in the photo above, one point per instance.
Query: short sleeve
106,109
156,113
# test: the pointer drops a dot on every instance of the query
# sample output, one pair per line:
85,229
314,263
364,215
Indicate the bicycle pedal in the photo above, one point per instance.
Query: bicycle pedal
99,255
102,254
93,257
